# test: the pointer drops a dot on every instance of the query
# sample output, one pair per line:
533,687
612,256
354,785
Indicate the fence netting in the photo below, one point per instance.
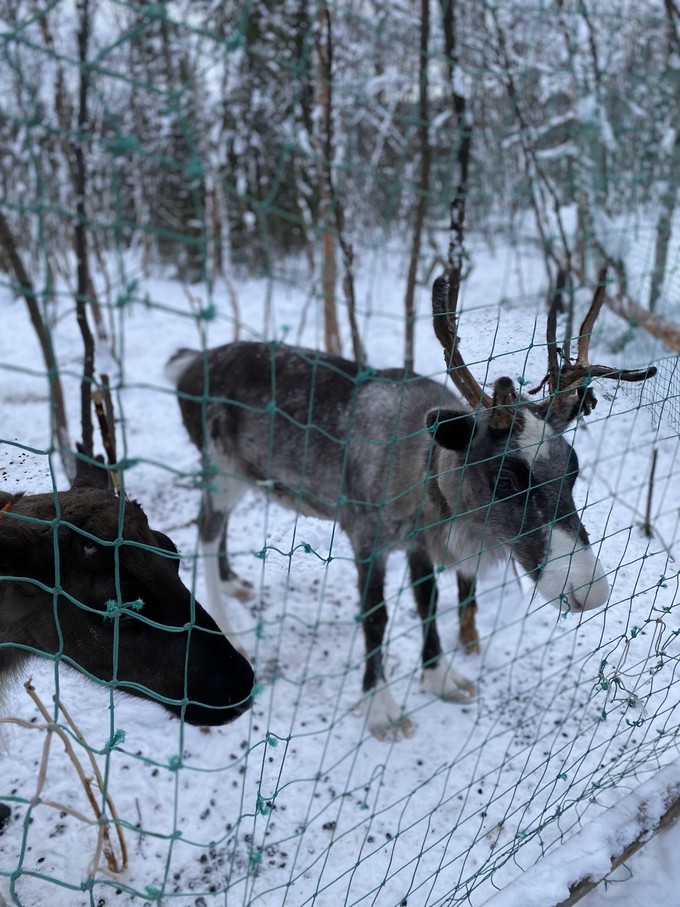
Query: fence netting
186,174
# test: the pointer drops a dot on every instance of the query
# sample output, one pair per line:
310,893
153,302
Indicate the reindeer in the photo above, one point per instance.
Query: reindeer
397,464
86,582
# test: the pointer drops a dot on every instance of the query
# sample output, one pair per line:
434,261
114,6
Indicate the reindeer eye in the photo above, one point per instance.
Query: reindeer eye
505,484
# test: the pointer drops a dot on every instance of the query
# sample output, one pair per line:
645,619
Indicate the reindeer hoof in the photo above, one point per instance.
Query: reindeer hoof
384,718
395,731
441,680
471,646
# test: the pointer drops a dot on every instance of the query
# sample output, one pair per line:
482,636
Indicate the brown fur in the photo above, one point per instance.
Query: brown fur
85,581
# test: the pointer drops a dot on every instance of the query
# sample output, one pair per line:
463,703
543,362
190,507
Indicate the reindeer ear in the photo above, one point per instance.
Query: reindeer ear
559,415
452,430
90,473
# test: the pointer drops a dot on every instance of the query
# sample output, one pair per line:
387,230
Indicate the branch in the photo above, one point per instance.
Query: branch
634,314
59,422
84,283
324,62
422,188
102,821
464,131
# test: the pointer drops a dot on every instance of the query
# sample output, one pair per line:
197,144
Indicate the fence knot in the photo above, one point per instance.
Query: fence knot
113,741
114,608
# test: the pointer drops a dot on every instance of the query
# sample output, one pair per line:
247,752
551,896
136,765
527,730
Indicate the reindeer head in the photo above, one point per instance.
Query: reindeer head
520,471
87,582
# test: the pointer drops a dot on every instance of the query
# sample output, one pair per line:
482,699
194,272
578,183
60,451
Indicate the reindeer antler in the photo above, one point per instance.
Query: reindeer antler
565,377
444,304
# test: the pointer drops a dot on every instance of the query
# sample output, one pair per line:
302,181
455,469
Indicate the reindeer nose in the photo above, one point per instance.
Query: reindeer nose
572,573
198,714
592,594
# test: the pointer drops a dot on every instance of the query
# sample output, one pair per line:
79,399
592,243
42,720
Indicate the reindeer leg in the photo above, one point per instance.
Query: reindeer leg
232,583
384,717
213,528
440,678
217,508
467,611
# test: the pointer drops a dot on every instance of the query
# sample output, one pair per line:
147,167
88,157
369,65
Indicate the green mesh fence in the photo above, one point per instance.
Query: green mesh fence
185,174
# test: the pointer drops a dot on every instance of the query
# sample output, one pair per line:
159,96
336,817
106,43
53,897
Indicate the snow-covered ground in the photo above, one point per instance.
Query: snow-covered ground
296,803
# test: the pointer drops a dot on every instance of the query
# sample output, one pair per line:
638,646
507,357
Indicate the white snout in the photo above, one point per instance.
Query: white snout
573,578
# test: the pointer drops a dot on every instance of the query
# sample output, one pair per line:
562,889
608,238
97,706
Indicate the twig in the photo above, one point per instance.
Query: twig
110,415
103,407
26,288
647,525
103,822
101,785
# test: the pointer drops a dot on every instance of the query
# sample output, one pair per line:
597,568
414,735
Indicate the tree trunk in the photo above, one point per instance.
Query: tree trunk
464,138
58,421
83,277
664,225
423,188
325,144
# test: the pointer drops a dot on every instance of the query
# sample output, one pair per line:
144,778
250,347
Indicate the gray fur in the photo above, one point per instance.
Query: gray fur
398,464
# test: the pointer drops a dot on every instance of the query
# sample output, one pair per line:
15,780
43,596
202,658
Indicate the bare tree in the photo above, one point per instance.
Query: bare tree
543,195
59,423
456,256
467,602
331,208
324,49
422,187
83,275
669,196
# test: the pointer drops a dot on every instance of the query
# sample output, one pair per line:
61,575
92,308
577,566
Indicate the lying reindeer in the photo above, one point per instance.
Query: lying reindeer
397,464
84,580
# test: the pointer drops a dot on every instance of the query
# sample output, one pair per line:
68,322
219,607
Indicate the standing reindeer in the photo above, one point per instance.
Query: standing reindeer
397,464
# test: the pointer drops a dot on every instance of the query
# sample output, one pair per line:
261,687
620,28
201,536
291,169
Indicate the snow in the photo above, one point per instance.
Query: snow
297,803
587,855
649,877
